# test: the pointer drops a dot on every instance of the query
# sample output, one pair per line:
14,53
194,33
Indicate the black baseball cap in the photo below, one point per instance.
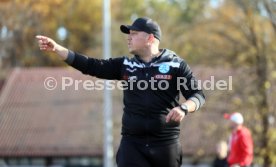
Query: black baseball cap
143,24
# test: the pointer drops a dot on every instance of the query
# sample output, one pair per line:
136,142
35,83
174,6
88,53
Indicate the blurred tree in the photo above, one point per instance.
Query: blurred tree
258,33
22,26
270,9
241,34
33,17
83,21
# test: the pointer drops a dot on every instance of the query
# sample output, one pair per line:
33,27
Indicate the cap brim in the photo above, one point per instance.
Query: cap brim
226,116
126,28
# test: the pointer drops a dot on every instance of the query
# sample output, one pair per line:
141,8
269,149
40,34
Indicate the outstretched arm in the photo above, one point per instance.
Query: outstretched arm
106,69
48,44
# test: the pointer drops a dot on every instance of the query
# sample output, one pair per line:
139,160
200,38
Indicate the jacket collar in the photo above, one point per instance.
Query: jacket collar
165,56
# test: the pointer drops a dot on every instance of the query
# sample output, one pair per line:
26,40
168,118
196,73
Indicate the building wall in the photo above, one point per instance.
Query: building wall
52,161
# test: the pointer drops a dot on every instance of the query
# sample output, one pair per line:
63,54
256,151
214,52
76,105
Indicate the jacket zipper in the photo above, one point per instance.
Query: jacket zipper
146,70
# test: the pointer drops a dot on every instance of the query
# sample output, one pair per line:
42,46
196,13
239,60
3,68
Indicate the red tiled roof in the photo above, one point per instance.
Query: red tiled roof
1,84
35,121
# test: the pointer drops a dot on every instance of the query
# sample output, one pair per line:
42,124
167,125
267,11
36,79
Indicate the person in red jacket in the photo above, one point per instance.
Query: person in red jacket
240,142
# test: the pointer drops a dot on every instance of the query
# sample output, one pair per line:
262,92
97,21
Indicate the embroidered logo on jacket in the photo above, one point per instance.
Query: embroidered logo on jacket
166,77
164,68
132,78
131,70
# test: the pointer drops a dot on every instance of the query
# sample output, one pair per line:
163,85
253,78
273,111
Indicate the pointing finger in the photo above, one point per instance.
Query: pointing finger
42,38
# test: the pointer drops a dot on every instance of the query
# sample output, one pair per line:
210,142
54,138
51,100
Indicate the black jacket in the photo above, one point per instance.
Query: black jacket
145,110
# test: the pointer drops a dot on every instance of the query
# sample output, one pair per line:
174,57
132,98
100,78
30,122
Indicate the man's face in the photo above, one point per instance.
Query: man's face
232,125
137,41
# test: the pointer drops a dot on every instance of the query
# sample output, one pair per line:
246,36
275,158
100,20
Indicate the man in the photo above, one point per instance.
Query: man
240,143
151,118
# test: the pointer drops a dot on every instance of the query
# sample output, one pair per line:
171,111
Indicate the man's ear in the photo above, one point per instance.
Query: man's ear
151,38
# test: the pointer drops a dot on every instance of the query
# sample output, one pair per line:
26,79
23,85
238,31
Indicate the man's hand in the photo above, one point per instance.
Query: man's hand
46,44
176,115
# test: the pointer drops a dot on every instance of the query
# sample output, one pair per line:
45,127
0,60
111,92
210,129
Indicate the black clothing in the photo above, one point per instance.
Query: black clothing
151,91
136,154
145,110
220,162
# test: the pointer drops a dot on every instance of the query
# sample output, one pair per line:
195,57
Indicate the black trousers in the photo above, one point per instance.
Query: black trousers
135,154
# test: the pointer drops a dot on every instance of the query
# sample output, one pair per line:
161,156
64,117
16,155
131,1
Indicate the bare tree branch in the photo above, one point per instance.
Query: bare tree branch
268,4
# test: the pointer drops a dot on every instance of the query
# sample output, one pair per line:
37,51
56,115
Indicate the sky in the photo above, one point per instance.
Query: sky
215,3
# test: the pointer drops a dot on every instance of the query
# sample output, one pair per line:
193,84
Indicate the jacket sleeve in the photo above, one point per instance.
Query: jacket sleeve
188,85
100,68
246,146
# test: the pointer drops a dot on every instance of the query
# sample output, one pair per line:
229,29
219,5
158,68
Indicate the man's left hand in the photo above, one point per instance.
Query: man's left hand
176,115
